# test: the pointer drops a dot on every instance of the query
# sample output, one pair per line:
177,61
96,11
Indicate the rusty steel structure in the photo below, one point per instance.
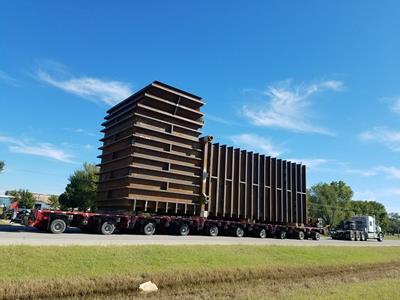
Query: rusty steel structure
247,185
154,161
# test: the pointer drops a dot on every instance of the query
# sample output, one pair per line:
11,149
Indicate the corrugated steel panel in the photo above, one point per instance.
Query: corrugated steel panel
247,185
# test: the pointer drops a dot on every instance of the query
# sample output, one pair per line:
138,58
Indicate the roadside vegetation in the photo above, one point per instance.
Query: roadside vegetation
188,272
332,202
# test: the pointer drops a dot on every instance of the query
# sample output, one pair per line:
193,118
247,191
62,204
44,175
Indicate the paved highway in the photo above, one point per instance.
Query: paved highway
21,235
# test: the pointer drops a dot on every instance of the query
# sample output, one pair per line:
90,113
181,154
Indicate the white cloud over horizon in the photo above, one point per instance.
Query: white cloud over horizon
254,142
97,90
288,106
36,148
311,162
388,137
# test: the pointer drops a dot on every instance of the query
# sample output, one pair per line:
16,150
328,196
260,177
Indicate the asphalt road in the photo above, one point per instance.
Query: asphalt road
21,235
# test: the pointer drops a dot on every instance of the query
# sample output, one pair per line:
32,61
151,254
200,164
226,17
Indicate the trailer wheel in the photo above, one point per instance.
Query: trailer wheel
58,226
149,228
358,236
183,229
380,237
107,228
212,230
262,233
281,235
300,235
316,236
239,232
362,237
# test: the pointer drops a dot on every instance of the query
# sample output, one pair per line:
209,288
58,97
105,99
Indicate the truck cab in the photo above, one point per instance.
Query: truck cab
369,227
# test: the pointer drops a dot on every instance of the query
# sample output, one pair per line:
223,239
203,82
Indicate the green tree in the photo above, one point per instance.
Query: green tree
24,198
371,208
81,190
1,166
393,226
53,201
330,201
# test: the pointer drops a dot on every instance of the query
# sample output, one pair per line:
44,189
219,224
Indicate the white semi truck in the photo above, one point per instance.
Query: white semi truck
359,228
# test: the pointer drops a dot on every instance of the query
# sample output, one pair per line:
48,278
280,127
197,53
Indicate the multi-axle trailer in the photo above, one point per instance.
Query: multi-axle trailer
58,221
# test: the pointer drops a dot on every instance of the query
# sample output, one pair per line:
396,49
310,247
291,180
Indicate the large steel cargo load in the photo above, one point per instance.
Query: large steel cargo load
247,185
154,161
152,155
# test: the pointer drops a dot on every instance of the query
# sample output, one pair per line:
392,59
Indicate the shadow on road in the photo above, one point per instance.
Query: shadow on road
21,228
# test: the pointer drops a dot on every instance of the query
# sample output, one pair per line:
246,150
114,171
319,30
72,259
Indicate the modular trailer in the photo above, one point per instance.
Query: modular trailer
156,171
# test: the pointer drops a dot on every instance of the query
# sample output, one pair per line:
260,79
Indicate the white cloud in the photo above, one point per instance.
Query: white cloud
8,79
396,106
91,88
288,106
362,173
256,143
34,148
311,162
387,137
391,172
217,119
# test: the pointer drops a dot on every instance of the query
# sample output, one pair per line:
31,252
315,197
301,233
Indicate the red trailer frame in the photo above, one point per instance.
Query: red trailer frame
56,221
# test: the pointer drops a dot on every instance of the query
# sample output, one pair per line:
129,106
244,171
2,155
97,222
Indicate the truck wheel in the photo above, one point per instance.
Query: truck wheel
183,229
358,236
212,230
262,233
380,237
281,235
58,226
149,228
239,232
316,236
350,236
362,237
300,235
107,228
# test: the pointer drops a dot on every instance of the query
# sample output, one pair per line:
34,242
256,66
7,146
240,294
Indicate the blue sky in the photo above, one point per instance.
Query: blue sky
314,81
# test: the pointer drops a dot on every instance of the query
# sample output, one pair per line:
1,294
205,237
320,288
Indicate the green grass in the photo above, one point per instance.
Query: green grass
392,237
386,288
191,272
24,262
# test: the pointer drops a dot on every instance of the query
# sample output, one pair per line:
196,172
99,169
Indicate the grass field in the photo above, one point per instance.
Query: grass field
203,272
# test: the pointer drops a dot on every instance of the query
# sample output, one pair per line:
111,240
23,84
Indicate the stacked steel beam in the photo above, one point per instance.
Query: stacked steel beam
152,155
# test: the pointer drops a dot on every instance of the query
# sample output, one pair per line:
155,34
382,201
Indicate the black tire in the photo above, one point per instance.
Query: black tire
316,236
238,232
107,228
300,235
149,229
362,237
183,229
262,234
212,230
358,236
281,235
350,236
57,226
380,237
